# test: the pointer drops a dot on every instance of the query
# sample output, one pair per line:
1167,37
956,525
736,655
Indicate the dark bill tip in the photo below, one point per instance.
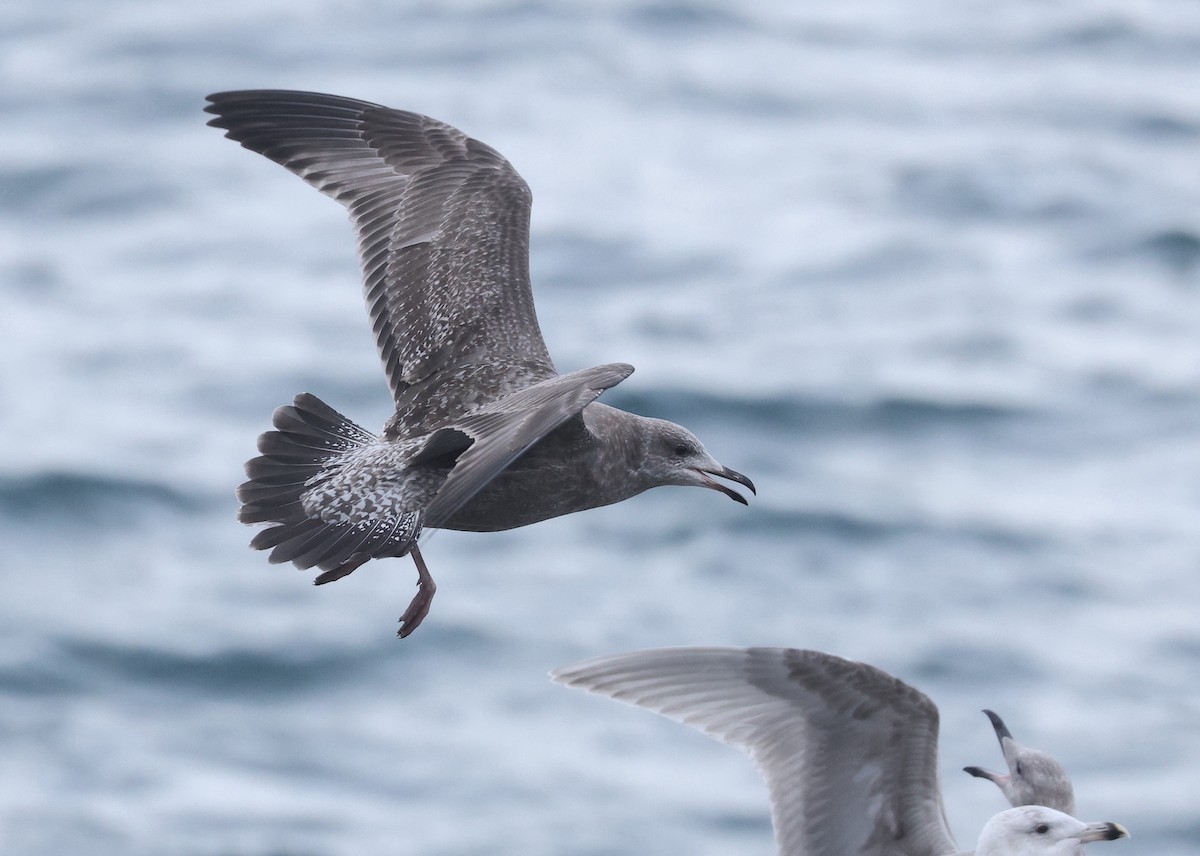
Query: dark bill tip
1103,832
1115,831
978,772
732,475
998,724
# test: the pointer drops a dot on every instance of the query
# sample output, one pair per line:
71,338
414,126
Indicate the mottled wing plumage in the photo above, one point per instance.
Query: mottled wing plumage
512,426
849,752
442,223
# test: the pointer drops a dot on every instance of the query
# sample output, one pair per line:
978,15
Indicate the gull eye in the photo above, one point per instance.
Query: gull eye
682,450
1018,768
1042,828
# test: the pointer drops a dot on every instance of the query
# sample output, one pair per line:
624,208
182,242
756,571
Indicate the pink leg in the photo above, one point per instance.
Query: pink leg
419,608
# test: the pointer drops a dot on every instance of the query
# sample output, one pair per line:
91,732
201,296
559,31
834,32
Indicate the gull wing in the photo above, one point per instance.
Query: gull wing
442,223
505,431
849,753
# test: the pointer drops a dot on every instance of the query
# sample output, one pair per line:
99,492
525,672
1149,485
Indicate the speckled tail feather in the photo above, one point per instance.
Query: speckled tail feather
309,438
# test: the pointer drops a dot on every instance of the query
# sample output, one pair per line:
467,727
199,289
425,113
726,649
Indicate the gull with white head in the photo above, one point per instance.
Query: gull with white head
849,753
1035,830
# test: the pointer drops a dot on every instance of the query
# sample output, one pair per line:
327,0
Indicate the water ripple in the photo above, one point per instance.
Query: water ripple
87,497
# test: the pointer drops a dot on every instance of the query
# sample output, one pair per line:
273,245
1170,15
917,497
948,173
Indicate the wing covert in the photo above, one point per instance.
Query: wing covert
508,430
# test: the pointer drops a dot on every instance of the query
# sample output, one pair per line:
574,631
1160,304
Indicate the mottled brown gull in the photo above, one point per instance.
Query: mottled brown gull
486,435
1033,778
849,753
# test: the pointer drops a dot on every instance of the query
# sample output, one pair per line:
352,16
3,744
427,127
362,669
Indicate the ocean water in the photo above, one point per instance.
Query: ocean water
928,272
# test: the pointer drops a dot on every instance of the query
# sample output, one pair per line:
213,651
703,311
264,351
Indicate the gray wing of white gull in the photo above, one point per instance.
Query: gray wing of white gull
849,753
1033,778
443,238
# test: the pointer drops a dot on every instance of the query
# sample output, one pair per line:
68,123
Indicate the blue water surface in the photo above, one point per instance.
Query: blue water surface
928,272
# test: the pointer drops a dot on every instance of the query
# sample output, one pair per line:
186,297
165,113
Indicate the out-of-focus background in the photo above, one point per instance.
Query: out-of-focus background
928,272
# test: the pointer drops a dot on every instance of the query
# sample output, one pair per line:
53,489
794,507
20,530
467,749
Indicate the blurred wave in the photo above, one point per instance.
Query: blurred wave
927,274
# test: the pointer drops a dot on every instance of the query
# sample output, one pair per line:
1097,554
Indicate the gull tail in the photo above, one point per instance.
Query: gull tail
309,438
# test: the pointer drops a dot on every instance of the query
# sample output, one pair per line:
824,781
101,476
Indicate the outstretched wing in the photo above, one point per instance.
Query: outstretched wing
849,753
442,223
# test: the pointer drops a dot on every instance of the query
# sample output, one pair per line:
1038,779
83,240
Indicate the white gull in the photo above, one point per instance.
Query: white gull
849,753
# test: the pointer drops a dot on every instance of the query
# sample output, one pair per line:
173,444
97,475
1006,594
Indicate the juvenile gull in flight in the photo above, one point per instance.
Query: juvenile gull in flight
1034,778
849,753
487,435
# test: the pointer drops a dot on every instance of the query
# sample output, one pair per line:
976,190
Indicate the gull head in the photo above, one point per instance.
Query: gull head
1035,830
675,456
1033,778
